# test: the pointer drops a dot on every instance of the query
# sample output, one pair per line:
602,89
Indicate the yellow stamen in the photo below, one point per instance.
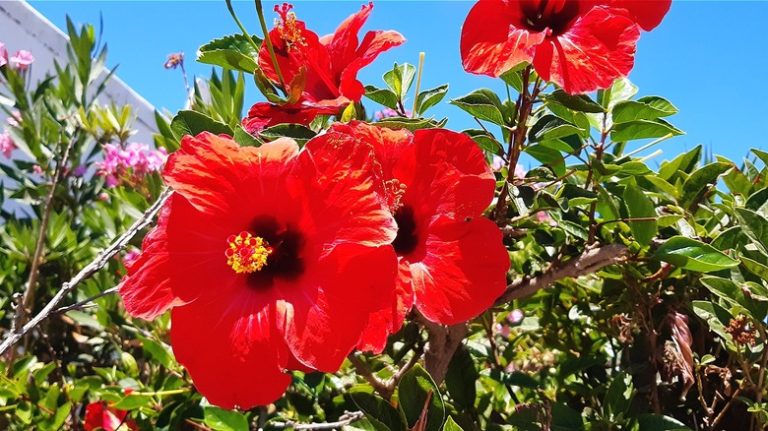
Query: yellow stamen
247,253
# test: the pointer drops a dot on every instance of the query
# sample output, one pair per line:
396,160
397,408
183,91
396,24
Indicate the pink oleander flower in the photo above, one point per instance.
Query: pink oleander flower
3,55
129,164
389,113
22,59
6,145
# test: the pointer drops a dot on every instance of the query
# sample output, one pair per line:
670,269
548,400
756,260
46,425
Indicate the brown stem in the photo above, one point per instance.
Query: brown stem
364,371
24,307
590,262
344,420
725,409
441,345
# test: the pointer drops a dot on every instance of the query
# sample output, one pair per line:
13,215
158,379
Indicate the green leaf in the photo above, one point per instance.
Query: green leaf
621,89
224,420
380,413
192,123
381,96
700,180
565,418
618,397
297,132
414,391
547,156
755,226
133,402
653,422
684,163
483,104
552,127
581,103
400,78
693,255
640,206
733,295
429,98
244,138
461,378
232,52
646,108
451,425
716,316
412,124
643,129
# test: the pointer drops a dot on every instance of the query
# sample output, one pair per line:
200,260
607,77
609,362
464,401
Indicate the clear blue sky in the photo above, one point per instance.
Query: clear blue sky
710,58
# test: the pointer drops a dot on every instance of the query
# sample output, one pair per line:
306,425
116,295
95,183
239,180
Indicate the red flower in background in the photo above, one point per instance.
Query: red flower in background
320,73
98,416
452,262
271,259
581,45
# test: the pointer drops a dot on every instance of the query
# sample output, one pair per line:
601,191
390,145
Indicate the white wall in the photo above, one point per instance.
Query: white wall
23,27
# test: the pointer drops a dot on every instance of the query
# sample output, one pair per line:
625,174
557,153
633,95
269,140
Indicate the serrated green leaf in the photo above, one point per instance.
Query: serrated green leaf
193,122
643,129
483,104
429,98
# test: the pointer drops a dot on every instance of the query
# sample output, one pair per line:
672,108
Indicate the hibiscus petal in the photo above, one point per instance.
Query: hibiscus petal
647,13
374,43
231,350
213,172
265,114
494,38
323,317
389,319
463,271
146,290
342,44
336,171
598,48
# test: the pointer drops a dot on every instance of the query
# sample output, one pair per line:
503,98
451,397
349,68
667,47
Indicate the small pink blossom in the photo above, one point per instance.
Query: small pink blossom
544,217
79,171
3,55
103,196
130,257
389,113
519,171
6,145
515,316
22,59
129,164
37,169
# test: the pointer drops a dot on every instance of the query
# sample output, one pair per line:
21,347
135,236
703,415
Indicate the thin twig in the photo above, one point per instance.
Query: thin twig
344,420
590,262
99,262
268,42
725,409
366,373
87,301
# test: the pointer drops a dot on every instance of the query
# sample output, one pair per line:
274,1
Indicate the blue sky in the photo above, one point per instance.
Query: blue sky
710,58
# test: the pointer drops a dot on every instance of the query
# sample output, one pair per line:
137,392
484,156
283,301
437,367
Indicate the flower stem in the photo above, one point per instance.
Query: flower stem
242,27
418,85
268,41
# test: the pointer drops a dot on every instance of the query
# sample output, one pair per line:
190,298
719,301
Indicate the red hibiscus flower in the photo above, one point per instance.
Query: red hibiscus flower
581,45
99,416
452,262
320,73
271,259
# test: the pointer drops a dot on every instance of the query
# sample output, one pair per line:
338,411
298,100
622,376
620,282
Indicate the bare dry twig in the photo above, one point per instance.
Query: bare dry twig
345,419
99,262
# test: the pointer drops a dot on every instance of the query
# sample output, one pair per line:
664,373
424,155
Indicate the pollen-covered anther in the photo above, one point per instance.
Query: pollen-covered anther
247,253
394,190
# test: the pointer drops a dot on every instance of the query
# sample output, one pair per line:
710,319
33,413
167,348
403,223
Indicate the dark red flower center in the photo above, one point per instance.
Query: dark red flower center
407,238
555,15
285,258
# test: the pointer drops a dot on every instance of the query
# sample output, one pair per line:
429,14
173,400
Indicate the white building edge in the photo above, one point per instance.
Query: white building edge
23,27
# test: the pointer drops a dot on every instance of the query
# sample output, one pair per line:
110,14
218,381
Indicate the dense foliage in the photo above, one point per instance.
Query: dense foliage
636,297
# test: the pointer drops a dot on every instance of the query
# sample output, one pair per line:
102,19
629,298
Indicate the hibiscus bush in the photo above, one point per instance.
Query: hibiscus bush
330,259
